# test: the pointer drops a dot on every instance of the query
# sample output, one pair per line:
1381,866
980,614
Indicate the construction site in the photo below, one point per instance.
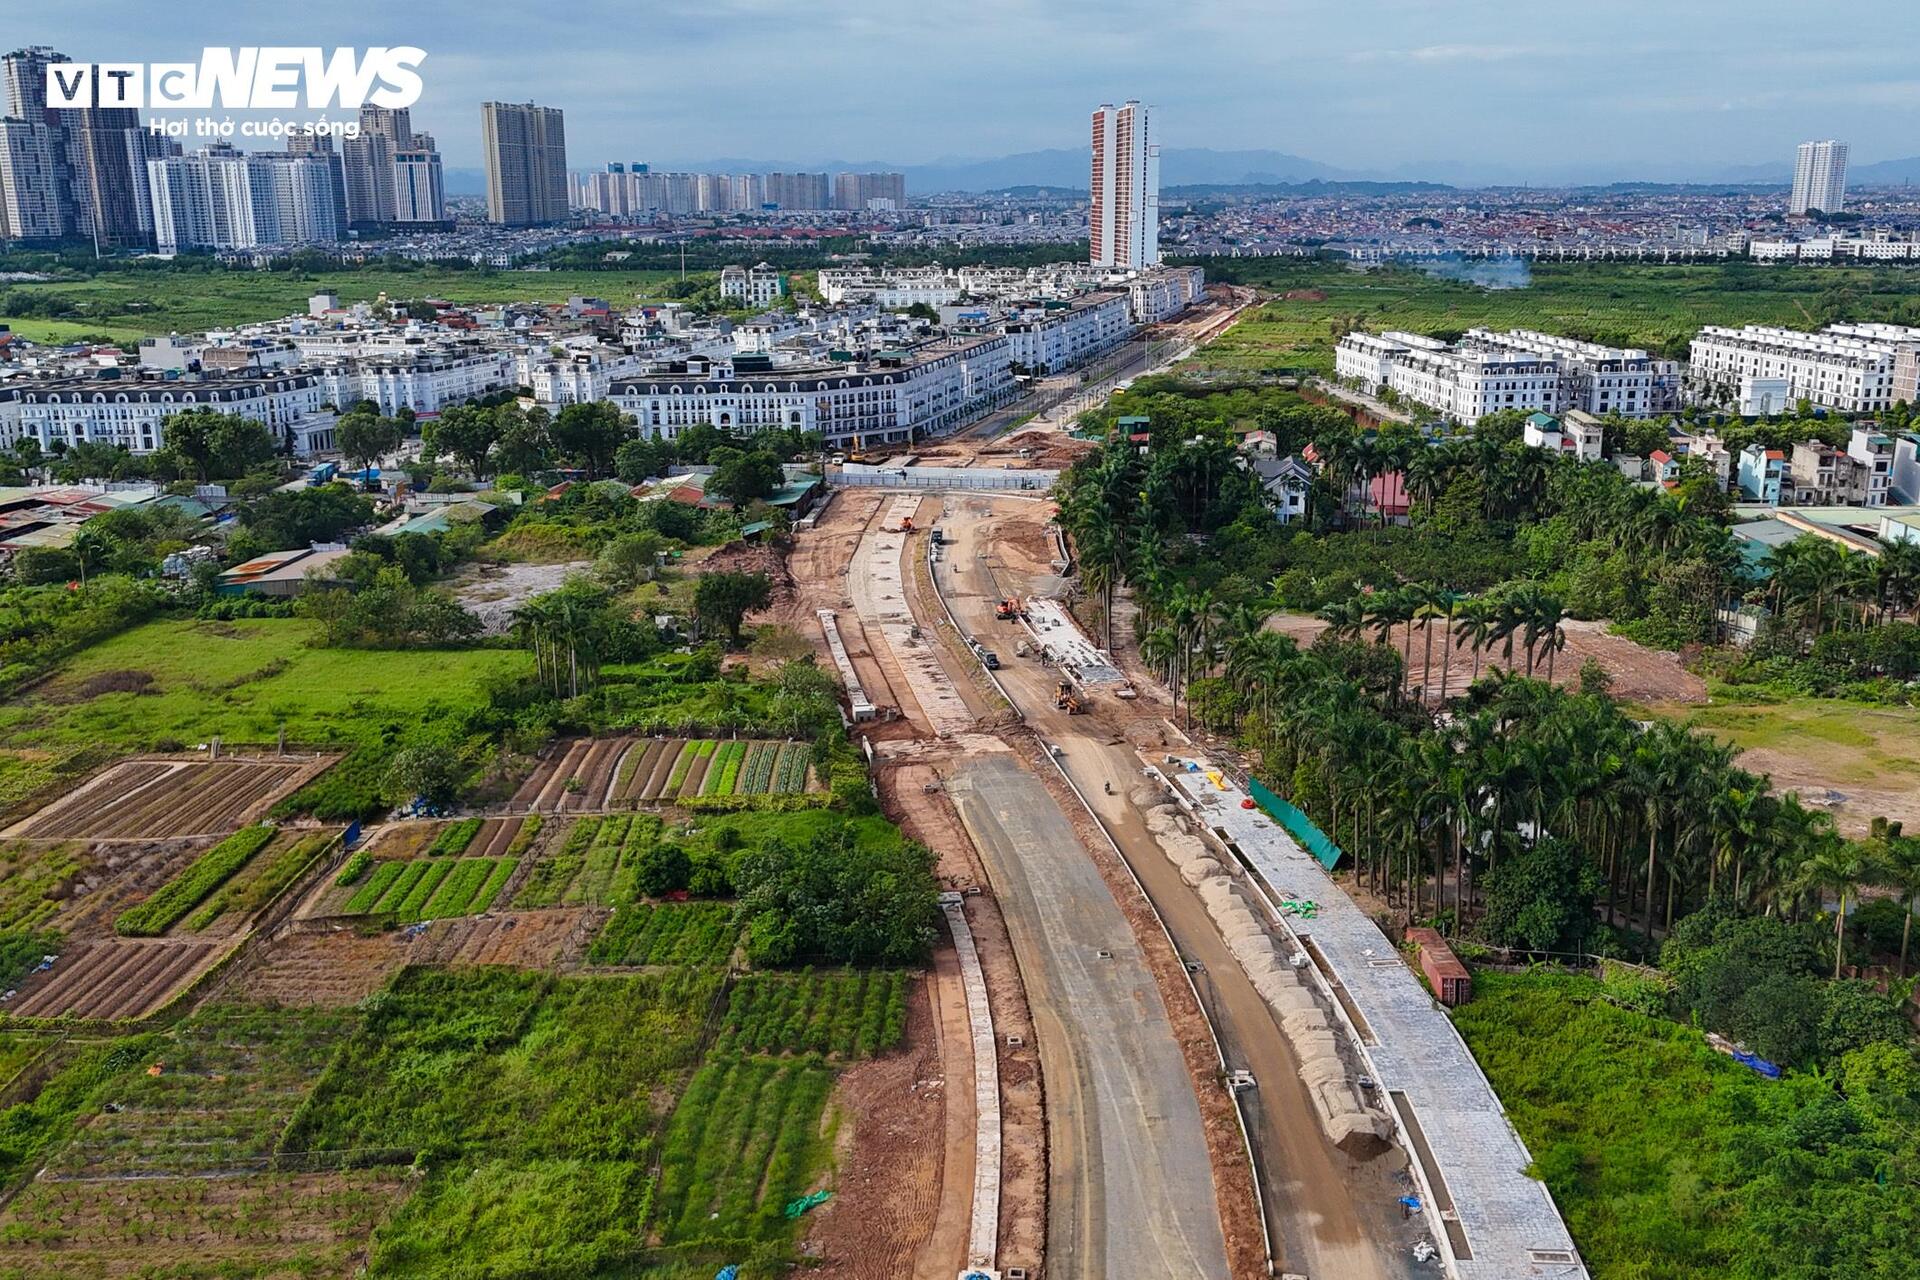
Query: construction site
1207,1100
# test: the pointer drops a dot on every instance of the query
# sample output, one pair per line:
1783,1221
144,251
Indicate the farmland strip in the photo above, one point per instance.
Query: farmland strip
556,789
638,785
398,889
503,870
698,768
377,884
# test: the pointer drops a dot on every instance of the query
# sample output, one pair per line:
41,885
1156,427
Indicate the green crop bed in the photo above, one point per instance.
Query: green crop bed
745,1139
174,899
851,1014
698,933
456,838
383,877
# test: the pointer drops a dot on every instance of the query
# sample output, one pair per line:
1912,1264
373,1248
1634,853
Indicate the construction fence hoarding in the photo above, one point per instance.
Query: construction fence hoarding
1297,824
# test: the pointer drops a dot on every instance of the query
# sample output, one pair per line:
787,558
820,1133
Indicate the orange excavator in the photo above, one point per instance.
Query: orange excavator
906,524
1009,610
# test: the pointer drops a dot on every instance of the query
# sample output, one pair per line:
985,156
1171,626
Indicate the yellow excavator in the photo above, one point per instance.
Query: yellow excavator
1066,699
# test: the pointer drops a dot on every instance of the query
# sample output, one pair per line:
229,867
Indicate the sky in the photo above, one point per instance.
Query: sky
1466,90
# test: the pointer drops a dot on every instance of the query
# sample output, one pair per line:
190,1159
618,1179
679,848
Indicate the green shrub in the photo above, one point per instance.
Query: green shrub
356,866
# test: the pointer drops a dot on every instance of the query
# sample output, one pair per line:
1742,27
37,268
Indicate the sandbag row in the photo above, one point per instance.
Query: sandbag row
1344,1114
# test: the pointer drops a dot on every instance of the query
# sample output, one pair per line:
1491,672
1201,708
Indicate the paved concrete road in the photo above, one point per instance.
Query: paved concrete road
1130,1187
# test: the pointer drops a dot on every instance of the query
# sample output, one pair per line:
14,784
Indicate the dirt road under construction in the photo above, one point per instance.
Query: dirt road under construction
1119,1176
1124,1157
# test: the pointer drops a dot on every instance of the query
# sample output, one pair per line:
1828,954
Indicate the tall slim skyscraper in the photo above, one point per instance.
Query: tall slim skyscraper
1820,178
419,191
526,157
91,175
321,145
1124,219
29,209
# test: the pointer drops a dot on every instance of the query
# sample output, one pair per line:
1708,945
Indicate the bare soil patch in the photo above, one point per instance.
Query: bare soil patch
494,591
1639,674
324,967
888,1181
161,797
115,979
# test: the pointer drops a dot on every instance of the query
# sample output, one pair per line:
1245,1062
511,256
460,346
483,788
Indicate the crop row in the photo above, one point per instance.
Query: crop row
676,769
724,770
693,933
456,838
551,876
376,885
594,865
191,887
429,888
849,1015
744,1140
263,879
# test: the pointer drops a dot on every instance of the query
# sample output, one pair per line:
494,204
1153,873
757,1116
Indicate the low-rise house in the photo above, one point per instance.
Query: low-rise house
1762,474
1288,484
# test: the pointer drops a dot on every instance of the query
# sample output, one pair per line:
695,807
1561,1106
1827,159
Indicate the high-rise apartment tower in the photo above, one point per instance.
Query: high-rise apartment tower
1124,218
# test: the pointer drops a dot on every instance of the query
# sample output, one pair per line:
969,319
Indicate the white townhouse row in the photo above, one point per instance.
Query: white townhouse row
893,287
895,397
1595,378
133,413
1487,372
1153,295
426,383
1850,368
1049,337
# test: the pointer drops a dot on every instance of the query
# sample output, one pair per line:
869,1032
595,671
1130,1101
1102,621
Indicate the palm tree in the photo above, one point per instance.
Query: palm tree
1428,602
1900,869
90,550
1345,619
1103,556
1838,867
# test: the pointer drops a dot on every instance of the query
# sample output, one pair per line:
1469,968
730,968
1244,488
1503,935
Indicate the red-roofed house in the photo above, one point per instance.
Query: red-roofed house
1388,495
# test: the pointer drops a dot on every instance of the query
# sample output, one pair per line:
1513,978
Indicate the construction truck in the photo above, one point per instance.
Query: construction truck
1066,699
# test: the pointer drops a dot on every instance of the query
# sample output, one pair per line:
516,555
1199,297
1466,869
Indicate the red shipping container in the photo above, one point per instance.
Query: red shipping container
1445,974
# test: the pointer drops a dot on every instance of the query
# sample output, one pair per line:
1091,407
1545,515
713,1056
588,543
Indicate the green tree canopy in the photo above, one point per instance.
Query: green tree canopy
725,599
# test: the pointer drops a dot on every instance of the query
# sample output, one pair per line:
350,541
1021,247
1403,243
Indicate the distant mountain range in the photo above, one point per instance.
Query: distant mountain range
1065,169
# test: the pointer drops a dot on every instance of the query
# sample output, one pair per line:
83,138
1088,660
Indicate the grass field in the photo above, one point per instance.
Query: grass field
1869,756
244,681
1656,307
1672,1162
127,306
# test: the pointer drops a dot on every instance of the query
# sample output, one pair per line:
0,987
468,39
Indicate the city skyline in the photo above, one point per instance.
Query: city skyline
1349,97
